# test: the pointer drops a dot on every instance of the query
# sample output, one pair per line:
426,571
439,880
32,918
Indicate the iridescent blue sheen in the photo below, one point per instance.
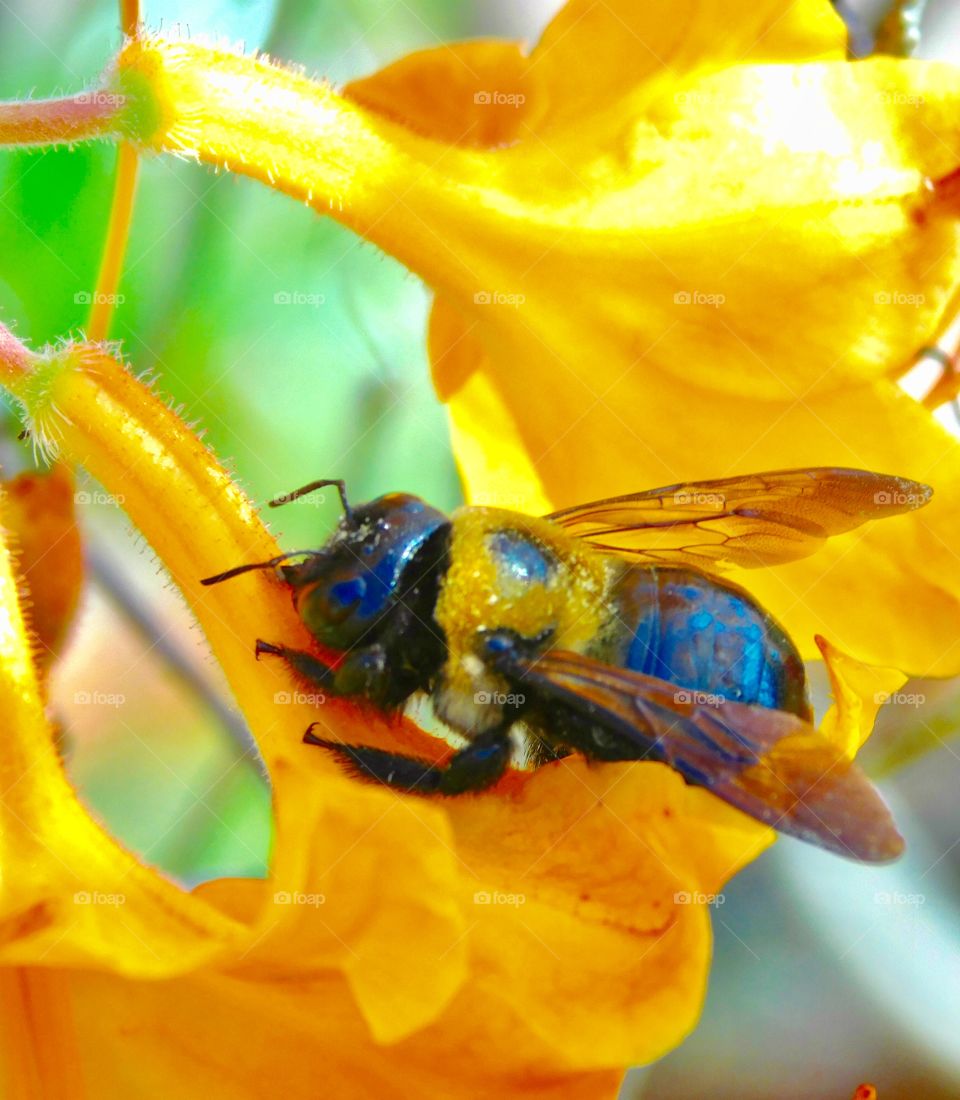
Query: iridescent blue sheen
345,588
705,635
519,557
403,524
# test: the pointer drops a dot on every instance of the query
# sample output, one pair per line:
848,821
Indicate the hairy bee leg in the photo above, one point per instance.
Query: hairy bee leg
473,768
303,664
362,672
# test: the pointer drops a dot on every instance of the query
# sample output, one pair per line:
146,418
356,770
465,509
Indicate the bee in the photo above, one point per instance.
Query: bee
605,629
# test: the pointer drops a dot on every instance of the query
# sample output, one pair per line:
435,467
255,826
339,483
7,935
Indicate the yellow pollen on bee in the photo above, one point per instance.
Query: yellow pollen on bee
558,587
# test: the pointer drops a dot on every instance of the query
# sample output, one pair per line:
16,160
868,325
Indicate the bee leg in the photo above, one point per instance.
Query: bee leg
305,665
363,672
473,768
542,751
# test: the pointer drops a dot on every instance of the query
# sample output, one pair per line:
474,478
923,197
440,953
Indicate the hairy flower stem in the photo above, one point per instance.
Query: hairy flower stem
60,121
303,138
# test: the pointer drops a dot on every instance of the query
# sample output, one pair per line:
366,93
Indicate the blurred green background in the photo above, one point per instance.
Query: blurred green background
803,1003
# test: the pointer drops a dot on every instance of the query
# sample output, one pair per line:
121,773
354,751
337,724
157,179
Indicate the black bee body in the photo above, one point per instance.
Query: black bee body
513,623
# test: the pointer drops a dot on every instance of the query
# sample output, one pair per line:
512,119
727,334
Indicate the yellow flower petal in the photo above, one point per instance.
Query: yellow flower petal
663,252
620,253
505,472
494,94
859,691
64,880
365,882
592,55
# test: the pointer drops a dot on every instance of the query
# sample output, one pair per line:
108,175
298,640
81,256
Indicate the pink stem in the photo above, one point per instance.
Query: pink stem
53,121
15,357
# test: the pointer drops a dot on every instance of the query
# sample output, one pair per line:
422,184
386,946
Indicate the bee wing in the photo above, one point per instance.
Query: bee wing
759,519
768,763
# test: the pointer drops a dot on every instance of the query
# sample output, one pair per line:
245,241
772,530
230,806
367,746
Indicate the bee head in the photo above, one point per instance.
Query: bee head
344,590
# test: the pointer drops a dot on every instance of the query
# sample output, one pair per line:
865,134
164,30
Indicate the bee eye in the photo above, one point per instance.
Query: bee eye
347,593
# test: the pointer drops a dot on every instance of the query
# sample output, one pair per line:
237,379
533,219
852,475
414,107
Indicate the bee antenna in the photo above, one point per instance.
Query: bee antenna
237,570
286,498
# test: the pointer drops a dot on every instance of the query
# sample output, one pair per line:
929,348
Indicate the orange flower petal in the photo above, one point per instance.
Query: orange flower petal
237,1039
587,873
486,90
363,881
48,554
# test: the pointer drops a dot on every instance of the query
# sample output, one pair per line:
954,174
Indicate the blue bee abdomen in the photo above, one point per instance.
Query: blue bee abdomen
706,636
